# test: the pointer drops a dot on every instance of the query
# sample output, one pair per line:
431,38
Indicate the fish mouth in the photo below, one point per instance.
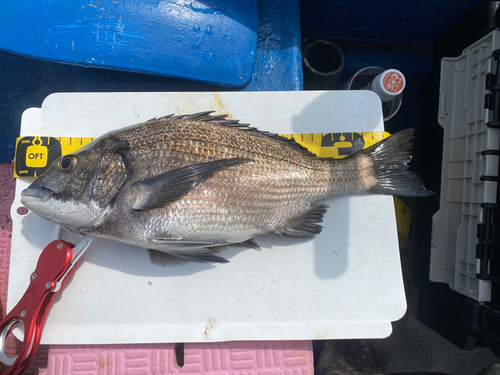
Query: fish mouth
35,194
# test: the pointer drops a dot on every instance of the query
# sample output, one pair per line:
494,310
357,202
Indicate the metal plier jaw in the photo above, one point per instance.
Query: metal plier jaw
55,264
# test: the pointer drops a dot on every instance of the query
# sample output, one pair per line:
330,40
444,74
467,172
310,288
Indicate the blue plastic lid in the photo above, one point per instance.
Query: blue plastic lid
211,41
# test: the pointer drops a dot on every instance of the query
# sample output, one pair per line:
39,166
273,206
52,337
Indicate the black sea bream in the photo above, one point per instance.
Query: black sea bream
186,186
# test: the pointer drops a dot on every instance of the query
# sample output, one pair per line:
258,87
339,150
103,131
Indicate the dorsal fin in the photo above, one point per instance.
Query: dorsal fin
207,116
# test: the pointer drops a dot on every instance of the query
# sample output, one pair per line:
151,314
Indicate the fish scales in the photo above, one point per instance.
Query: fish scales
210,139
270,178
188,186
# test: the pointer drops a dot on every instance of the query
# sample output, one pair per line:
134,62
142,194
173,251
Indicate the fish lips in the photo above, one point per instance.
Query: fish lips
35,194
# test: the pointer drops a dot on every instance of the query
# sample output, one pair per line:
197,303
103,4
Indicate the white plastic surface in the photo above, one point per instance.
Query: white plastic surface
463,118
346,283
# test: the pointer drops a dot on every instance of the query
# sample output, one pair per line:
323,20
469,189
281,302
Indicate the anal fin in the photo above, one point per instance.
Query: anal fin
305,226
248,244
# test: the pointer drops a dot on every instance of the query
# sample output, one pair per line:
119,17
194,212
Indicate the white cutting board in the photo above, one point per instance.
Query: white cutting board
346,283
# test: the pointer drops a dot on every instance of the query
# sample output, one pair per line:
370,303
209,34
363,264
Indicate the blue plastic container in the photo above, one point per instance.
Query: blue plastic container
211,41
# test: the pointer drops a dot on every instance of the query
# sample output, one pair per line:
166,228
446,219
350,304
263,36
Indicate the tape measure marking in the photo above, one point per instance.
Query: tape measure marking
35,154
337,145
404,218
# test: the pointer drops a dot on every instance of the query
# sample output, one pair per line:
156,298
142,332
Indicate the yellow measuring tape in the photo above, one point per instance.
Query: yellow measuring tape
337,145
35,154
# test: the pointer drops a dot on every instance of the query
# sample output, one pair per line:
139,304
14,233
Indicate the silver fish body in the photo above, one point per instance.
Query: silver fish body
186,186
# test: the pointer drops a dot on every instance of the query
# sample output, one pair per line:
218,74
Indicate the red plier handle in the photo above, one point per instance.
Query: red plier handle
55,264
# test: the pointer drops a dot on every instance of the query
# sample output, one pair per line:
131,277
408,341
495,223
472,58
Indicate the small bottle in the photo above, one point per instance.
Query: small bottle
388,84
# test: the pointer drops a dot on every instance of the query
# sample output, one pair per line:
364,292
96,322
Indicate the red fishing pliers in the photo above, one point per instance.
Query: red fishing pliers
55,264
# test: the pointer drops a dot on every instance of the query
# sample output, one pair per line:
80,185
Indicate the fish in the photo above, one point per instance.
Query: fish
187,186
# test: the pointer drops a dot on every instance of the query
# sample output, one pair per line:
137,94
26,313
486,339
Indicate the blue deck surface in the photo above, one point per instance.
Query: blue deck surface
211,41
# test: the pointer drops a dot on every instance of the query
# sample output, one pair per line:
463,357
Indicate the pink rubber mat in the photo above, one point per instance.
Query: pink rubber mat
263,358
6,199
245,358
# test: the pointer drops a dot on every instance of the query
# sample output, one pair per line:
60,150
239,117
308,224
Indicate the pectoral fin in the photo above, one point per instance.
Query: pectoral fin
178,258
157,191
182,252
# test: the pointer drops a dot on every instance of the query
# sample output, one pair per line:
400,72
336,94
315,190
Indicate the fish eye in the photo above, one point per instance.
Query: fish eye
67,163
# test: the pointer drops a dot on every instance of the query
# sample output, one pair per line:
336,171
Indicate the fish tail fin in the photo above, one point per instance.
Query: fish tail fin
390,158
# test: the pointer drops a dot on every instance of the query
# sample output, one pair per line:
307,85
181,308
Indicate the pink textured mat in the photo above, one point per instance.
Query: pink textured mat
262,358
6,199
242,358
